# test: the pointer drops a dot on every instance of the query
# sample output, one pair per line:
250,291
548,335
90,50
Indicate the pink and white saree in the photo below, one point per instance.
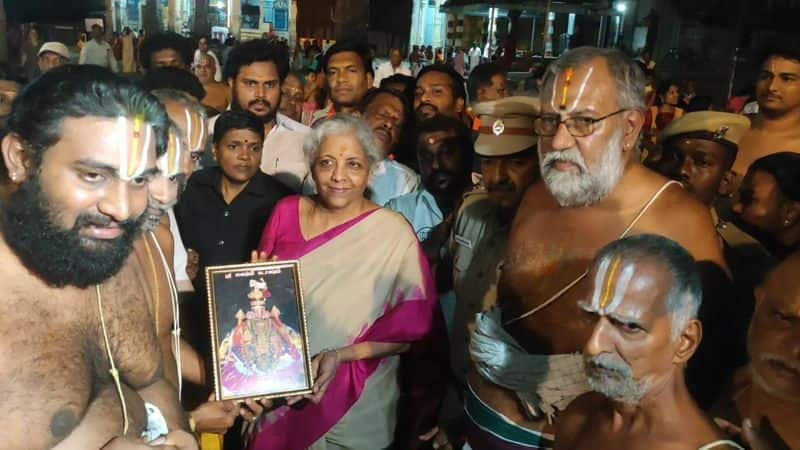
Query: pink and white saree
366,280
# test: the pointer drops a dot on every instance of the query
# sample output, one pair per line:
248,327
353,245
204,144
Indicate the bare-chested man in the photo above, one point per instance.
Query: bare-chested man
776,128
81,355
765,399
593,191
642,301
155,253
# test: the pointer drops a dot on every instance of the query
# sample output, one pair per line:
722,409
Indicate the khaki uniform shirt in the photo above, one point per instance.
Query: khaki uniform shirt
477,245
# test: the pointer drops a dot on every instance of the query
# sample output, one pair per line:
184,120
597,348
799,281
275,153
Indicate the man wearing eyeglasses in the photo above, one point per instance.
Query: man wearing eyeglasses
593,191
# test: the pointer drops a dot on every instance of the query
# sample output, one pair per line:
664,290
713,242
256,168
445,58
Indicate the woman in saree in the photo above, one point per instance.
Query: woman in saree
368,295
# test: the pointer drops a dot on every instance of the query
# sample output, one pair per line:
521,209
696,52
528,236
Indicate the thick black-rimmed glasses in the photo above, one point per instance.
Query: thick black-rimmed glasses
547,125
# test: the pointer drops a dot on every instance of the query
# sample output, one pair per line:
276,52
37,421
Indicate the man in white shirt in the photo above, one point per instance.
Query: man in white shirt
474,56
97,51
392,67
256,71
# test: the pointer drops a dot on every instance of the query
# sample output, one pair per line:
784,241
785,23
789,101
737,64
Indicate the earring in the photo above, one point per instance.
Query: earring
786,223
13,177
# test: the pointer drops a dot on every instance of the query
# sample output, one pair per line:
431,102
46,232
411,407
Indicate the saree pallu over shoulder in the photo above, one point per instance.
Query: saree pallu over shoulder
367,281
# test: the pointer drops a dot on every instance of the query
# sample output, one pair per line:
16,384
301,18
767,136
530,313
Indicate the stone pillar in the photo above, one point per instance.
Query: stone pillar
171,15
235,14
293,25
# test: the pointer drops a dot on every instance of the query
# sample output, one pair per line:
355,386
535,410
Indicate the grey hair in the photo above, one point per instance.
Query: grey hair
181,98
686,294
342,124
628,75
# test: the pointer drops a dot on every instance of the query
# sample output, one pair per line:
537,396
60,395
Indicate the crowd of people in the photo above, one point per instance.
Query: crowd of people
593,267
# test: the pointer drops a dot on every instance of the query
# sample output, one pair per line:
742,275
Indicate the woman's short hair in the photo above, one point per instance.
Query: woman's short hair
342,124
237,120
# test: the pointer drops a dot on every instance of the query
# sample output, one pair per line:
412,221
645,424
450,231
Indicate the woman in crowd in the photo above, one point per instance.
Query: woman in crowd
292,96
669,95
362,312
30,54
769,202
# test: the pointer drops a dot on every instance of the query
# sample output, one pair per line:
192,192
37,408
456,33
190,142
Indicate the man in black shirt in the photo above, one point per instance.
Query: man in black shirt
224,209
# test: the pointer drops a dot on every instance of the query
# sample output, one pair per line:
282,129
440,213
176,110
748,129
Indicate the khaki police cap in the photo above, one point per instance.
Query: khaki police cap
506,126
711,125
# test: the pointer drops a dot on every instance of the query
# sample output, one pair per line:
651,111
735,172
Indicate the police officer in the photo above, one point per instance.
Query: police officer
506,147
698,150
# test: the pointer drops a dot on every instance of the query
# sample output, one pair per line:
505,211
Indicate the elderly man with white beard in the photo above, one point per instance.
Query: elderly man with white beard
642,300
593,191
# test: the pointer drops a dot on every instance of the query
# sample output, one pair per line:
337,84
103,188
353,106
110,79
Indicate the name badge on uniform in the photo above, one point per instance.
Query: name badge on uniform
461,240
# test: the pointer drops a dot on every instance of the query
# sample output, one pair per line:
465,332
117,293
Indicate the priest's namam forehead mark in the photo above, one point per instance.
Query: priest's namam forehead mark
170,163
195,139
568,74
133,150
610,284
569,82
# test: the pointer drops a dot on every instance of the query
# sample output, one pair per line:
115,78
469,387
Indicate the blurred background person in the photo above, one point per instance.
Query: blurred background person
128,51
30,51
218,95
292,97
203,50
769,202
52,55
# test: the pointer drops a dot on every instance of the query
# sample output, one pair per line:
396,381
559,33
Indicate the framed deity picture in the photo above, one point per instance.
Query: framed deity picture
259,338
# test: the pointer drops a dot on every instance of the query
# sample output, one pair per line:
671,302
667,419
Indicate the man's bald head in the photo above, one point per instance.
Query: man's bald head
774,338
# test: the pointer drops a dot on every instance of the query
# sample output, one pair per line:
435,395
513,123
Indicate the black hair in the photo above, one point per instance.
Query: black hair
173,78
374,93
664,86
457,81
237,120
359,48
80,91
257,50
163,41
785,168
699,103
481,76
462,138
409,82
780,48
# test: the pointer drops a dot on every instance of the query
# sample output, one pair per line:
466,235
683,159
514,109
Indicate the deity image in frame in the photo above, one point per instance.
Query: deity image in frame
258,331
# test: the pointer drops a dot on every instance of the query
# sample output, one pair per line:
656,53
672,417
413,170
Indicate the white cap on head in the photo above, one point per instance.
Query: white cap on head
56,47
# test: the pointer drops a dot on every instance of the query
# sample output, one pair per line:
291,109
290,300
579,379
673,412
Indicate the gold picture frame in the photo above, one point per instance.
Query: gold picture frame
259,333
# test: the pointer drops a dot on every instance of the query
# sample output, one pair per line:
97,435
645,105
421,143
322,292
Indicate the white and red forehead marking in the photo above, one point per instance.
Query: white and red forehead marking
132,150
559,103
194,146
610,285
170,162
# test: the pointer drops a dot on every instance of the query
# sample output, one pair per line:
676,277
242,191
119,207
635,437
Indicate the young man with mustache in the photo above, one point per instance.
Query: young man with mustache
348,71
255,71
593,191
444,153
776,127
641,296
440,90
